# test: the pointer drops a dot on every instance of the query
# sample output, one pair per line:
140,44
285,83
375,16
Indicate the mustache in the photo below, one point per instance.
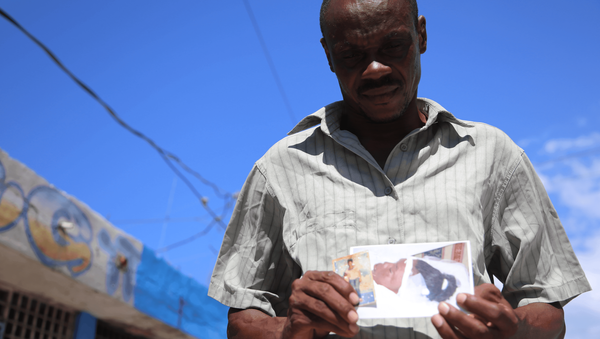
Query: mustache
368,84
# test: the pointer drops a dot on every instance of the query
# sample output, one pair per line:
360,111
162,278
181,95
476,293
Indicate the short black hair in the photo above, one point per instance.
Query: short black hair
349,260
414,9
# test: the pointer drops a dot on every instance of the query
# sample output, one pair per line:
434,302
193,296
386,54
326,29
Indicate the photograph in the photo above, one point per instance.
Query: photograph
411,280
356,269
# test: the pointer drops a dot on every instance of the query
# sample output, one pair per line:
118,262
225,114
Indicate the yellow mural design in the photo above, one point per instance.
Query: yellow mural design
43,238
8,212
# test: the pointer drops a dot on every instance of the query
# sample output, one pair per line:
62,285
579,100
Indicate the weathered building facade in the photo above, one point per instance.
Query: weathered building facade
67,273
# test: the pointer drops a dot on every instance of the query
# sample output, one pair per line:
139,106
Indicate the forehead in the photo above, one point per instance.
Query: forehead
364,18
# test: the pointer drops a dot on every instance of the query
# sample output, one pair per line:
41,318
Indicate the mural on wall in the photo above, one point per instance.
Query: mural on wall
119,250
60,234
53,246
12,202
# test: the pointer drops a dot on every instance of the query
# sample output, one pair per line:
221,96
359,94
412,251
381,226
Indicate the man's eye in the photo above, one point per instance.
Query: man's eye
397,49
394,47
350,55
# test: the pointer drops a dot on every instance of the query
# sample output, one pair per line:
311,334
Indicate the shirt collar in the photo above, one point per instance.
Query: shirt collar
329,116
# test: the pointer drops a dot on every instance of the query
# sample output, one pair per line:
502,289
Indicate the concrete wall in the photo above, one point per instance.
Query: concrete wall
54,245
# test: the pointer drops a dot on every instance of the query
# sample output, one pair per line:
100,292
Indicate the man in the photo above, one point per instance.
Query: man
352,275
385,167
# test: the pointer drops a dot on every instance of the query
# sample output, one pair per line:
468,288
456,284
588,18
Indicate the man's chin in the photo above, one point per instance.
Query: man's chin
383,117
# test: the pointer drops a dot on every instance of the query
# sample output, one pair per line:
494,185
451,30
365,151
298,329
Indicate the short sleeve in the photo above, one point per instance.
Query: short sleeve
253,269
531,254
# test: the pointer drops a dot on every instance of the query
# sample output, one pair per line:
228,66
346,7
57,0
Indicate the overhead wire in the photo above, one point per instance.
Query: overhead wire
188,239
270,61
202,233
167,156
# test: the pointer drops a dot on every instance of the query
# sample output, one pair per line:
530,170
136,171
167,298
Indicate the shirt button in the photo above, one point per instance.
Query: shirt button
388,190
403,147
391,241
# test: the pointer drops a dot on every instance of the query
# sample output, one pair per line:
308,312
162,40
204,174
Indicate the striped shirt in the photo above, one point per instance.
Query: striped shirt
318,192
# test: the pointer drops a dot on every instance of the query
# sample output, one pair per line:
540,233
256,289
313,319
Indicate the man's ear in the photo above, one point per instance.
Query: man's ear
324,44
422,32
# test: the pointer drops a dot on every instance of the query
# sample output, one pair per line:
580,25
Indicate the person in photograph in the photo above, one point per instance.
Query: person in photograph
424,280
353,276
382,166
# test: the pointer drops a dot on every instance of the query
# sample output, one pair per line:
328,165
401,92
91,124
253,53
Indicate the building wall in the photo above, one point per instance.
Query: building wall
43,228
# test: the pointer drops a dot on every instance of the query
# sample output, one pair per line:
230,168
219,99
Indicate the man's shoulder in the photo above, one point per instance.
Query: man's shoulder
485,136
306,137
291,149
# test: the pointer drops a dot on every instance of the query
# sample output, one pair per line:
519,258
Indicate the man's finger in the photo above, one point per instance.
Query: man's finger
469,326
320,325
444,329
326,296
498,314
322,311
342,286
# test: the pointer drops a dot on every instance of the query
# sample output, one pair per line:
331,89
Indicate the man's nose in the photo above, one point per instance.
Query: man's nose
376,70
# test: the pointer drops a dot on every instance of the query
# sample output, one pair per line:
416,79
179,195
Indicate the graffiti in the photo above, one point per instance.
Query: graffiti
58,246
42,212
12,202
120,248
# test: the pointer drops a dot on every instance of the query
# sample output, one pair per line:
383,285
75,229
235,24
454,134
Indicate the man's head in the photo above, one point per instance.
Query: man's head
350,263
414,12
390,274
374,47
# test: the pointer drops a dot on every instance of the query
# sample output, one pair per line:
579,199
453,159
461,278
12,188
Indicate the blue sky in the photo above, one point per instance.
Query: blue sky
192,76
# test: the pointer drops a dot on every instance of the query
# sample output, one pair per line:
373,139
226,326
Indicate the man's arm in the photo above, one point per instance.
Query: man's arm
321,302
253,323
493,317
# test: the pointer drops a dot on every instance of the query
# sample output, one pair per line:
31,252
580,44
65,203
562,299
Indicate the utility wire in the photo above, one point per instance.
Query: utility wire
165,155
187,240
270,61
200,234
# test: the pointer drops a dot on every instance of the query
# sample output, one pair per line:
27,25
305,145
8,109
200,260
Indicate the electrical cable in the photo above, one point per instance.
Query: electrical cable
188,239
200,234
269,61
165,155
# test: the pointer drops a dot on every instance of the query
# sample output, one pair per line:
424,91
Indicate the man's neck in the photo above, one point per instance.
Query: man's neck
381,138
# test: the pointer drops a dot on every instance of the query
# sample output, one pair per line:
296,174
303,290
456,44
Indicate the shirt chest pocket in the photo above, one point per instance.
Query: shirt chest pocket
315,241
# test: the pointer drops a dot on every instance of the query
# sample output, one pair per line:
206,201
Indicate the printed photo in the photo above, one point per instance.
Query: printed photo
411,280
356,269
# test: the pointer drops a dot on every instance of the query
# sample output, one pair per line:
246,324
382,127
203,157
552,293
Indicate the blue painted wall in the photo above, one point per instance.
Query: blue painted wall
85,326
166,294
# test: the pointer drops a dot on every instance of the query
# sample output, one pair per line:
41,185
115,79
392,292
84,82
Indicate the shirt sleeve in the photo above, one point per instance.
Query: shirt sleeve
531,254
254,269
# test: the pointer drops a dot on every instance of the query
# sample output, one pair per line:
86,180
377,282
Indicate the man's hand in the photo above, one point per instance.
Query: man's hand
321,302
493,317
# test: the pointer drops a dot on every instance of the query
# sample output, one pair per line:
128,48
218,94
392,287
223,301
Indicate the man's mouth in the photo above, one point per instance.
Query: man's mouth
380,95
380,91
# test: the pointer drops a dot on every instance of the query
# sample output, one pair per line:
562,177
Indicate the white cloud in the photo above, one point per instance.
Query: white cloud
579,190
575,190
558,145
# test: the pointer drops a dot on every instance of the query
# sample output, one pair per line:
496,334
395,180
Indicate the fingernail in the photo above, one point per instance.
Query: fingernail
353,316
354,300
437,320
461,298
444,309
